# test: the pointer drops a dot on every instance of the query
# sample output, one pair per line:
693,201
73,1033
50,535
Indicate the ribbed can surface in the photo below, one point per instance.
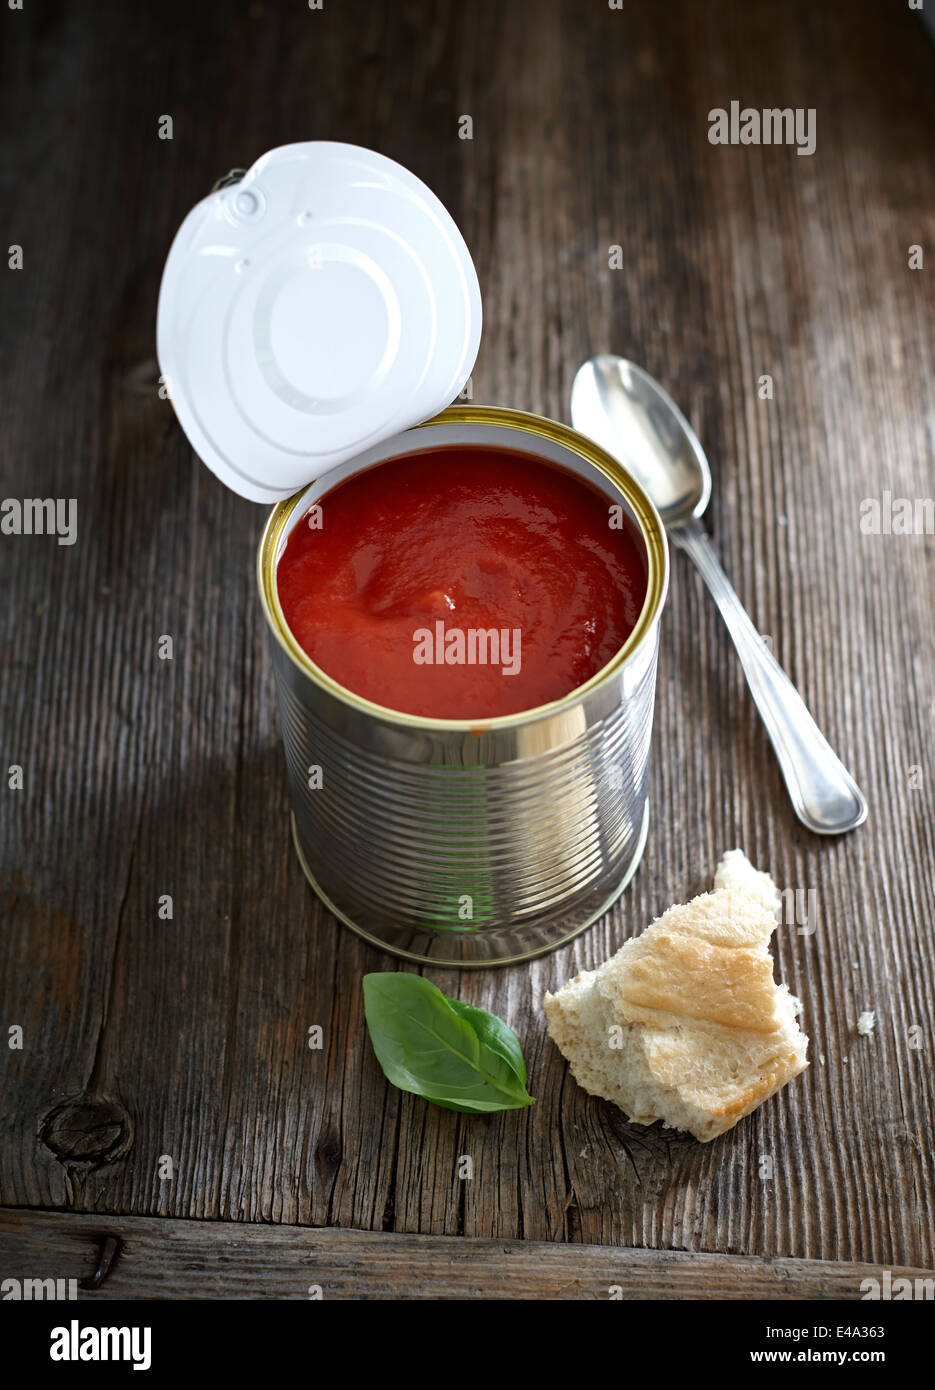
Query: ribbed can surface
473,844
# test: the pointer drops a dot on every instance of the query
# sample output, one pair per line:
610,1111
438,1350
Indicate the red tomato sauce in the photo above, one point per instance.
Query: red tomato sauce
401,558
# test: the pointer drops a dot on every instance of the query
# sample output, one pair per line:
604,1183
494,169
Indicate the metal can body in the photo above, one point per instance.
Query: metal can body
482,844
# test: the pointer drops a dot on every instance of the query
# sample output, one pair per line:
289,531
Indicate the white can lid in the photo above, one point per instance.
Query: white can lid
321,304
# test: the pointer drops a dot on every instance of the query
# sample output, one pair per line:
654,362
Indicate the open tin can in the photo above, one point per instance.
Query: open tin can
315,314
472,844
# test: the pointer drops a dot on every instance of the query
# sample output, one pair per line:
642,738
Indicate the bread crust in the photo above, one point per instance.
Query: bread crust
687,976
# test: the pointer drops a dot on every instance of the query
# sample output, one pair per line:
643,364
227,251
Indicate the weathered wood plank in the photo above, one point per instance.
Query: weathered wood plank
163,1258
146,777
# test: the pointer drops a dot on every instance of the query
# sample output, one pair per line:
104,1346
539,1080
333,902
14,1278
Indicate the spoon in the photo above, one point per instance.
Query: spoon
623,409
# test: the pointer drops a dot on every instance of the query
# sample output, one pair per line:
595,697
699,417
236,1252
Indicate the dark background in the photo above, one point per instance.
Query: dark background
142,777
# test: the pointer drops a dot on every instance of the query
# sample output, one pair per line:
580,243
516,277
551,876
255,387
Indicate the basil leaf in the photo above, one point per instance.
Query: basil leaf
453,1055
495,1034
479,1108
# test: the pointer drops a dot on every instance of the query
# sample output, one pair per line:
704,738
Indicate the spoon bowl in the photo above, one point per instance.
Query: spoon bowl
623,409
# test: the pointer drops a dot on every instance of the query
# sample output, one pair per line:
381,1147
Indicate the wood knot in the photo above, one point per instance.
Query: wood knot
87,1130
328,1154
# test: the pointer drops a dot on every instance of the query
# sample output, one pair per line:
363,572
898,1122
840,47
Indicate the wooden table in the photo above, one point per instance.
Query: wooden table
164,1106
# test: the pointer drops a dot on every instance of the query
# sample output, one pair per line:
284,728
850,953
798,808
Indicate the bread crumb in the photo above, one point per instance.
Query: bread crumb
866,1023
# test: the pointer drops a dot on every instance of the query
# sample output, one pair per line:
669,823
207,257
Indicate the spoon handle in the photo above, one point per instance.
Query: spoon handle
824,794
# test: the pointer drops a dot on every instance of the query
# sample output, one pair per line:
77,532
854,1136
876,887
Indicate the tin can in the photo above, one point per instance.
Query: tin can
462,844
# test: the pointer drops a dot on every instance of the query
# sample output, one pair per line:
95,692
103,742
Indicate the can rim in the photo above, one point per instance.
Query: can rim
652,532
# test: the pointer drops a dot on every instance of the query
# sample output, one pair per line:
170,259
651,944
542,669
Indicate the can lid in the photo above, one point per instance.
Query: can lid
311,309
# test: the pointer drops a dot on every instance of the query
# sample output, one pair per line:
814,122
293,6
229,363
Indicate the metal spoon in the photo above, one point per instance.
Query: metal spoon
623,409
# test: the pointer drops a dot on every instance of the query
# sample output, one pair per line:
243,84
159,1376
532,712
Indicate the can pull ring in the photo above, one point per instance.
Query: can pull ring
231,177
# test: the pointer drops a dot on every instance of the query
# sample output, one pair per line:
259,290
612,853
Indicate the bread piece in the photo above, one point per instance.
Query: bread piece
685,1023
736,871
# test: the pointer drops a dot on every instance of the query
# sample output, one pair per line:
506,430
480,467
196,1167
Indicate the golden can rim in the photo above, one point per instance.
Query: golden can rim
651,530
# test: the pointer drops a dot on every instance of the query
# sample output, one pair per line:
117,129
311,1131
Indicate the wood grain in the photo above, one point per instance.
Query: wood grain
146,1038
164,1258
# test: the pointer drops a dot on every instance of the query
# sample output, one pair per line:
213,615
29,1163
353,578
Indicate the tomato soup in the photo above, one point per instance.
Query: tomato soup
462,582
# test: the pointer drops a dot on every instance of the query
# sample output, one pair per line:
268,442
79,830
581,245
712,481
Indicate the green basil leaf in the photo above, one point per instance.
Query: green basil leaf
495,1034
454,1056
479,1108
